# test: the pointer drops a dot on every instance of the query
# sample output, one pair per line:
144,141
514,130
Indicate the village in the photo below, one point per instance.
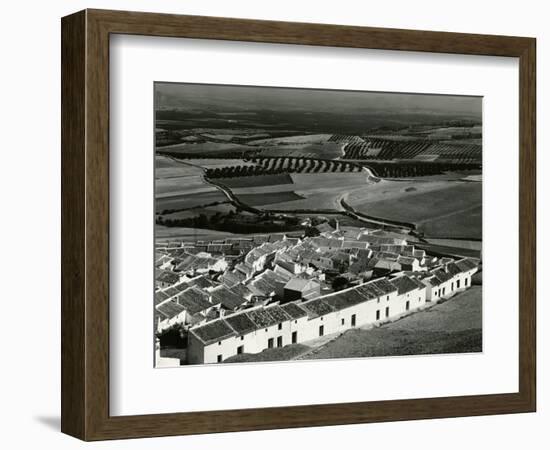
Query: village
243,295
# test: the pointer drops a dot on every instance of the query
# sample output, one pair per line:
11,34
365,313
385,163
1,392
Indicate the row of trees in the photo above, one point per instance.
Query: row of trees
234,222
284,164
406,170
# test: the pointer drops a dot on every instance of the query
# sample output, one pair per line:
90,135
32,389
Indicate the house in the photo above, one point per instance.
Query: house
268,284
298,288
408,263
196,302
169,313
165,278
226,298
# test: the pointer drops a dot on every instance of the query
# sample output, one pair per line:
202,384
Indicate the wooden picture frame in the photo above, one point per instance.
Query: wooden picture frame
85,224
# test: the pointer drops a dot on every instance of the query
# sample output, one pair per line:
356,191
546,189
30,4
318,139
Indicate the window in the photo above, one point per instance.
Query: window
443,292
387,311
353,319
270,343
280,326
343,321
242,338
280,341
295,321
240,349
458,284
452,286
407,305
378,315
294,337
219,342
219,358
266,330
321,330
388,298
378,300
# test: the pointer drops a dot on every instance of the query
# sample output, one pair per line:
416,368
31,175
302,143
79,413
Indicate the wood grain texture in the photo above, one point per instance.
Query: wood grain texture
85,224
73,267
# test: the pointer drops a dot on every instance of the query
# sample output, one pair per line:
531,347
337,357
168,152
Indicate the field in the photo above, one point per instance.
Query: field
329,150
203,148
311,191
439,208
192,234
256,181
293,140
181,186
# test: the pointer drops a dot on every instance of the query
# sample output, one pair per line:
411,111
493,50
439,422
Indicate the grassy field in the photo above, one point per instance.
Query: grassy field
328,150
271,354
294,140
451,327
464,224
202,148
439,208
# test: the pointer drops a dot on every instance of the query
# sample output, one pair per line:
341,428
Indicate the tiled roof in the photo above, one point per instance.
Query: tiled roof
466,264
344,299
167,277
278,313
293,310
384,285
355,244
406,260
404,284
213,331
169,309
160,297
226,297
262,318
241,290
316,308
241,323
299,284
201,282
369,291
453,268
361,265
194,300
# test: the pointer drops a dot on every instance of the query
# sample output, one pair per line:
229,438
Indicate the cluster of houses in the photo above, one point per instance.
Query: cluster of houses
247,295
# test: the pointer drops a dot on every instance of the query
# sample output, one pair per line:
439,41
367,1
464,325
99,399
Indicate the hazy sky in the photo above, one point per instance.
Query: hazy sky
227,98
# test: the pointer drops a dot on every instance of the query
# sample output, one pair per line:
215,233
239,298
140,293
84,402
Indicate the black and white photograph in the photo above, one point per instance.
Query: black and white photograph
297,224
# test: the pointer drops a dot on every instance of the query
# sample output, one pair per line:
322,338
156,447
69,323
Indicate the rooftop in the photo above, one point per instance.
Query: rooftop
213,331
316,308
293,310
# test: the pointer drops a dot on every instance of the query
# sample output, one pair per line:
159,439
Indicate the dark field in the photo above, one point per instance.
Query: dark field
189,200
269,198
256,181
